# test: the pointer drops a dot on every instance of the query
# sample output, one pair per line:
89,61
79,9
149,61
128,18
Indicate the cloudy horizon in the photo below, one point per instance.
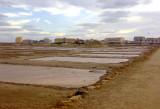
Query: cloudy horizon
85,19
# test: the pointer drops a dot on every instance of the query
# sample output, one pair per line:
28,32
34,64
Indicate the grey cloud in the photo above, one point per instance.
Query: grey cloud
109,32
118,3
31,28
106,4
36,3
80,31
75,35
5,3
32,34
87,4
2,16
89,25
154,16
9,29
4,24
150,21
147,1
114,16
29,3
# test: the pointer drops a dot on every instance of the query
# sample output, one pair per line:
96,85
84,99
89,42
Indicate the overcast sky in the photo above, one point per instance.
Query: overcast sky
85,19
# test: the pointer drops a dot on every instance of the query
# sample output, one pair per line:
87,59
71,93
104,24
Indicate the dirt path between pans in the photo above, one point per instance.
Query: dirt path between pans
136,88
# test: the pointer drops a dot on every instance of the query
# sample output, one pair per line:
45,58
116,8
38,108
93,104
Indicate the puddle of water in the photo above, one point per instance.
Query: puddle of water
109,55
64,77
85,60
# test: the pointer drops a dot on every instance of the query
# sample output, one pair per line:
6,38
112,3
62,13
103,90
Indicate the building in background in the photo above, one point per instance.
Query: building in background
28,41
47,41
151,40
59,40
65,40
19,40
70,40
93,42
79,41
139,40
44,41
115,40
129,42
40,42
158,40
146,41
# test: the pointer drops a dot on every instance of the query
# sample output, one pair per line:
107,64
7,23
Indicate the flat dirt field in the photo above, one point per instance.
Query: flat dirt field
13,96
138,87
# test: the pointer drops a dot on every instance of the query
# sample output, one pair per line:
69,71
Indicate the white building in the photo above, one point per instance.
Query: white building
115,40
146,41
139,39
152,40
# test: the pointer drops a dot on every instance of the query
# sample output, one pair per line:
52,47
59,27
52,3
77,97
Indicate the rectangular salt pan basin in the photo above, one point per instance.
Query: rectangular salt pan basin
119,50
85,60
53,76
137,53
109,55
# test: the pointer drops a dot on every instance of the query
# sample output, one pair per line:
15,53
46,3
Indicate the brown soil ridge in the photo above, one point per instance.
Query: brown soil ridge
135,88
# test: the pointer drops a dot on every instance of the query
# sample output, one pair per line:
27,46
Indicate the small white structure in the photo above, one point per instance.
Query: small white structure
115,40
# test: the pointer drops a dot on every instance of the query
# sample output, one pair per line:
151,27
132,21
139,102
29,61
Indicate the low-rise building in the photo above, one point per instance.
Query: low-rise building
139,39
146,41
115,40
65,40
158,40
59,40
128,42
93,42
41,42
151,40
79,41
28,41
70,40
47,41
